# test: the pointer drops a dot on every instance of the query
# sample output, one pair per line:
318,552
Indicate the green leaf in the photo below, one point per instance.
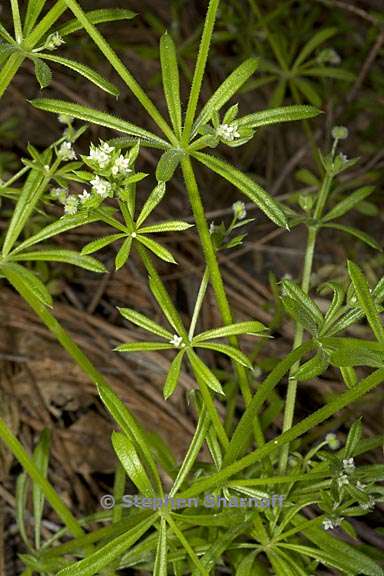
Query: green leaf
17,274
171,82
173,375
123,253
329,72
348,203
106,555
67,256
41,459
202,371
354,437
100,243
144,322
96,117
166,304
246,565
156,248
144,347
300,304
225,91
252,327
168,163
313,367
160,566
21,506
315,41
366,301
277,115
366,238
32,190
58,227
230,351
33,12
131,462
126,421
83,70
170,226
97,17
43,73
309,91
152,201
247,186
354,352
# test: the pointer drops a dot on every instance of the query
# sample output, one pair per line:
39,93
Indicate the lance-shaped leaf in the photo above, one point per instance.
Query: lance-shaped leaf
160,566
313,367
230,351
144,322
41,459
83,70
96,117
130,460
100,243
316,40
354,352
354,438
252,327
156,248
348,203
297,301
277,115
173,375
67,256
171,83
334,309
19,276
123,253
170,226
366,301
168,163
251,189
97,17
363,236
33,11
225,91
105,555
309,91
42,72
150,204
202,371
144,347
328,72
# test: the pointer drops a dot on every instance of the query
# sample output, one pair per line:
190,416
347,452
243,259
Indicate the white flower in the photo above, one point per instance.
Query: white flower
71,205
227,132
368,505
105,147
121,166
360,486
66,151
65,118
177,341
349,465
212,227
53,41
101,154
239,210
343,480
59,194
328,524
100,186
84,196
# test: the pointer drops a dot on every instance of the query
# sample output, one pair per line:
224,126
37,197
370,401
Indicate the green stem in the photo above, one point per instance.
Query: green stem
17,21
298,339
216,279
9,70
117,64
200,68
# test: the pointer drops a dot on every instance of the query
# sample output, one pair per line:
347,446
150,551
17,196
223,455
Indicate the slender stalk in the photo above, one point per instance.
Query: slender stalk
17,21
200,68
117,64
298,339
216,279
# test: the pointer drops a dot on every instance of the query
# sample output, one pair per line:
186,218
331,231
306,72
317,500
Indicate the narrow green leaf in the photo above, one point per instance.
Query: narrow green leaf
354,437
173,375
277,115
144,347
225,91
246,565
43,73
152,201
97,17
348,203
366,238
309,91
156,248
96,117
302,301
41,459
315,41
252,327
144,322
247,186
83,70
366,301
67,256
160,567
168,163
100,243
34,9
130,460
313,367
21,506
202,371
329,72
123,253
170,226
171,82
355,352
230,351
17,274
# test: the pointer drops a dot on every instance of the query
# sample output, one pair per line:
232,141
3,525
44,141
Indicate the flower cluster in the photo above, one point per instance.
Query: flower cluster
228,131
53,41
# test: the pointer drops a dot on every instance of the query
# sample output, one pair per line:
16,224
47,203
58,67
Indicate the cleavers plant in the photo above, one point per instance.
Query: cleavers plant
323,478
